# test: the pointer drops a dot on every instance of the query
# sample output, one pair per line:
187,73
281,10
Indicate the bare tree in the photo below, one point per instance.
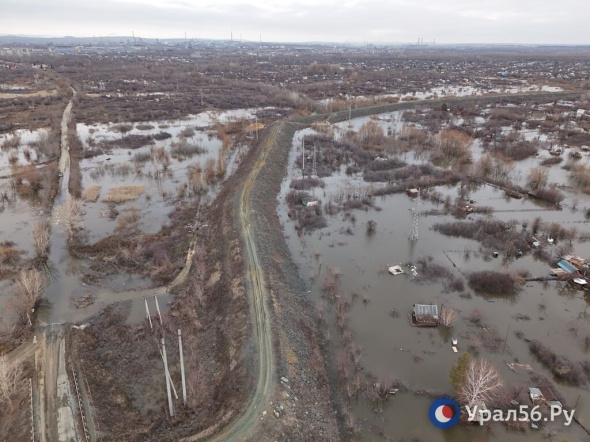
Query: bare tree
482,382
27,291
447,317
10,375
537,177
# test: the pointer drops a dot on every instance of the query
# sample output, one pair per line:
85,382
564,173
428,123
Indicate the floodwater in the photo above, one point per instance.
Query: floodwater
482,87
18,214
422,357
111,168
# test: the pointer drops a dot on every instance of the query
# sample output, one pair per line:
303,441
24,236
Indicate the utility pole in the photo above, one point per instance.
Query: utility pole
256,125
201,97
158,309
182,368
314,171
415,218
505,340
147,310
303,156
349,114
170,407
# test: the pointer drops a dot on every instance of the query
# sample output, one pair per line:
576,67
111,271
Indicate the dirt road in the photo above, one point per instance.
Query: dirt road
55,410
56,415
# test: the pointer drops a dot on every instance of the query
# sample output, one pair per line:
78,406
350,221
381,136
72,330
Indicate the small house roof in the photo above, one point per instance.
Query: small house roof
567,266
535,393
426,309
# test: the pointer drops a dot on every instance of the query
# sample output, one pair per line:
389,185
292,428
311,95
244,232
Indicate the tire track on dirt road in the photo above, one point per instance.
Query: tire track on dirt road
243,426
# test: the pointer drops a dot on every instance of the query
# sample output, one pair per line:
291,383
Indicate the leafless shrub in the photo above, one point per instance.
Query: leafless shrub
221,166
129,219
537,177
141,157
448,316
68,215
495,283
196,181
371,136
551,161
306,183
455,284
430,272
160,155
161,136
552,196
10,142
41,237
184,149
122,128
187,132
561,366
11,374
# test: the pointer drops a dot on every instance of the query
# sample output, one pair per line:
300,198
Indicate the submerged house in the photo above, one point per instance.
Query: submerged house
425,315
413,193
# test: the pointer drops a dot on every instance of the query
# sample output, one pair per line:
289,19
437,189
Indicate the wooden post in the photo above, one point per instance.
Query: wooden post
167,375
147,310
182,368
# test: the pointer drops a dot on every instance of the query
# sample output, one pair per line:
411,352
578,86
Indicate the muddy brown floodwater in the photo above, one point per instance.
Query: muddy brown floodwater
422,357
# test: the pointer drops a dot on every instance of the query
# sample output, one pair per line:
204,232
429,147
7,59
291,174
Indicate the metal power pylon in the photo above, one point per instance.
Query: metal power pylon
415,217
314,171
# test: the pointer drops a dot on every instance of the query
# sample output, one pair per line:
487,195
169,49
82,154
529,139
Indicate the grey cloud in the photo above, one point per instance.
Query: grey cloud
452,21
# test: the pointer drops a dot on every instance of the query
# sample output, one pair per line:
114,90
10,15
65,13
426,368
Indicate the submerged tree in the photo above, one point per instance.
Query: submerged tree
482,382
458,372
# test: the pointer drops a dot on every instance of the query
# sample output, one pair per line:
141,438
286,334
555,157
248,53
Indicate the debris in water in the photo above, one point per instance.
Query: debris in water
395,270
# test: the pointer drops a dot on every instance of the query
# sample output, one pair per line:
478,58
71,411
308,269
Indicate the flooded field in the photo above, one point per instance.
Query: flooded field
378,320
133,176
479,88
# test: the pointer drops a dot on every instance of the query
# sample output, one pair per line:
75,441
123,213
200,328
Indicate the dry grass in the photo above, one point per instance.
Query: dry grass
91,193
120,194
129,219
8,254
10,377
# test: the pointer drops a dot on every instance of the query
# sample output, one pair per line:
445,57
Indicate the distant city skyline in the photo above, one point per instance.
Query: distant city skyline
345,21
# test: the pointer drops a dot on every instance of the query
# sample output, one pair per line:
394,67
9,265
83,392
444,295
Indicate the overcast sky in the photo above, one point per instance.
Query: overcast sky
378,21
